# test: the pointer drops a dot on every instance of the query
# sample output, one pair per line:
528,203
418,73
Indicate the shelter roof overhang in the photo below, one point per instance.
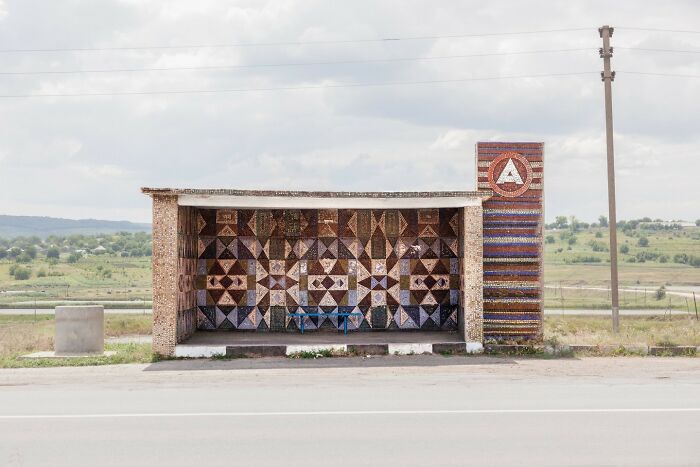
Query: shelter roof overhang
276,199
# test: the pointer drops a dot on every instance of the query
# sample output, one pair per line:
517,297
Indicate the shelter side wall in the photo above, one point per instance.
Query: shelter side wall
165,270
471,274
512,239
186,272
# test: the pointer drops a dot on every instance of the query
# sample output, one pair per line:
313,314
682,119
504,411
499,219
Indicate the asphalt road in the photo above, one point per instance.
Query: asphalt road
421,410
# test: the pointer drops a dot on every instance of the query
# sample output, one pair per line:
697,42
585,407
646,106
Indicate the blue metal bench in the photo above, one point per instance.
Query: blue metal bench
340,315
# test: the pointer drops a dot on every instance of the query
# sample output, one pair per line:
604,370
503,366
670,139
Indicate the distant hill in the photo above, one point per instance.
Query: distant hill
14,226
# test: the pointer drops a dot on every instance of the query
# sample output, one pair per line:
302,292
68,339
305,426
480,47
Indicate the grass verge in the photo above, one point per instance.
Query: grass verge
125,353
23,334
643,330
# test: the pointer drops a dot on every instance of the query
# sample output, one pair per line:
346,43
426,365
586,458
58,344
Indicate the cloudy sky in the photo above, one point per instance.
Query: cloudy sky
87,156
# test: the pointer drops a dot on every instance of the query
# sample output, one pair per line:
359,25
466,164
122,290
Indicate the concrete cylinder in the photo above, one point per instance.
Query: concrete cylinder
79,329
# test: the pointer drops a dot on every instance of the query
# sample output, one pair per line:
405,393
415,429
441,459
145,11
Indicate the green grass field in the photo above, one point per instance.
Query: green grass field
104,278
644,330
126,282
560,257
569,283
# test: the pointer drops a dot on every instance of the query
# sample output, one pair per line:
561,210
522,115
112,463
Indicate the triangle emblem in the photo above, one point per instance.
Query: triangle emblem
510,174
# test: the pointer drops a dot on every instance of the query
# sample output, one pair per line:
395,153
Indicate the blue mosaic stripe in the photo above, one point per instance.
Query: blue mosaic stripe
514,214
512,300
511,223
515,201
534,317
514,254
511,235
511,273
510,244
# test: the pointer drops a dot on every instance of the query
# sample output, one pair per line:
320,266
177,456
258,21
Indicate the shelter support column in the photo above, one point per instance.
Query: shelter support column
471,300
165,272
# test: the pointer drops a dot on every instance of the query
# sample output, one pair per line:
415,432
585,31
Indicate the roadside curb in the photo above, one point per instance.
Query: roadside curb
312,350
442,348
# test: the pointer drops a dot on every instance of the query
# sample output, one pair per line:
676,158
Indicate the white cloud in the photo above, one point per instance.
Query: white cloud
453,139
374,138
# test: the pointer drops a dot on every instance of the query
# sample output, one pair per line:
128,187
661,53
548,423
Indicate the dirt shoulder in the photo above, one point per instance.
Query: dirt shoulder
184,373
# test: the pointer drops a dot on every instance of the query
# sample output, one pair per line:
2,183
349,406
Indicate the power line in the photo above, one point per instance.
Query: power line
679,31
643,49
298,64
313,42
290,88
671,75
332,86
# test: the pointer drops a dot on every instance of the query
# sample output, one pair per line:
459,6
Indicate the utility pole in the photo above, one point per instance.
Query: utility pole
608,76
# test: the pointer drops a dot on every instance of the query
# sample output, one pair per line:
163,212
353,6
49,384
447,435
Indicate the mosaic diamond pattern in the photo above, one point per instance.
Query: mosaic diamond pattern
398,268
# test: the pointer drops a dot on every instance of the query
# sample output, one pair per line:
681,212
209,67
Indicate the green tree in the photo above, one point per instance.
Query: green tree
53,252
643,242
74,257
31,251
22,274
624,249
681,258
574,224
603,221
561,222
24,258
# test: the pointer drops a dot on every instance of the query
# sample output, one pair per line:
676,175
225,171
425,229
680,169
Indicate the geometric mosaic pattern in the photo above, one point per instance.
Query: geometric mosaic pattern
186,267
512,230
398,268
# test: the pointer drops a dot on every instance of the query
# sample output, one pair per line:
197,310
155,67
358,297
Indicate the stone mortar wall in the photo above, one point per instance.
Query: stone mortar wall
165,271
471,279
513,223
399,269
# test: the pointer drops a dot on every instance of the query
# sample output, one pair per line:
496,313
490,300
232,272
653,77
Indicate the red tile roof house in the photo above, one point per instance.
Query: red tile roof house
244,272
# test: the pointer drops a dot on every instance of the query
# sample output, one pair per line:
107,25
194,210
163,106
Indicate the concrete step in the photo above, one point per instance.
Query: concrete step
280,350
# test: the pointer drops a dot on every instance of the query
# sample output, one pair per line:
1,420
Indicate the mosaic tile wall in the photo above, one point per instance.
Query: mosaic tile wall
187,271
512,230
398,268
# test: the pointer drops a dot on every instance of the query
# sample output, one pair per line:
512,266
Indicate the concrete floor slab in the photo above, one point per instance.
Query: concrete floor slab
261,344
314,338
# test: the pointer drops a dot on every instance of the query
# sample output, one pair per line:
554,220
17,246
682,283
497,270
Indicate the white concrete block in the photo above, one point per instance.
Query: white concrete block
292,349
475,347
199,351
408,349
79,329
